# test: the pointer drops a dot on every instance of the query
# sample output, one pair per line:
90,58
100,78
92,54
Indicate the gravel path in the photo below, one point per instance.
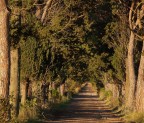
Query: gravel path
87,108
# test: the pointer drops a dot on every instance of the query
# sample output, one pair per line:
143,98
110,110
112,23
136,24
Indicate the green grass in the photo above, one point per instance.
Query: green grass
33,121
56,108
134,117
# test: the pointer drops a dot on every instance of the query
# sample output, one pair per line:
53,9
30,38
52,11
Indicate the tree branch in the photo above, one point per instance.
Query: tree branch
48,4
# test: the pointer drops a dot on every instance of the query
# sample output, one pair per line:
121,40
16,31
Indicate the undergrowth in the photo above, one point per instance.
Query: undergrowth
109,99
59,107
134,117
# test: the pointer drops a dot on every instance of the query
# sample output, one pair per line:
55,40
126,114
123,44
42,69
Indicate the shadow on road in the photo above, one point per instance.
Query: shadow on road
86,107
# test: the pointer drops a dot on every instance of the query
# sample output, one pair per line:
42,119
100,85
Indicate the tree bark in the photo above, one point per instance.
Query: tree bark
44,90
127,85
4,50
15,81
62,89
131,72
50,92
23,92
140,84
62,86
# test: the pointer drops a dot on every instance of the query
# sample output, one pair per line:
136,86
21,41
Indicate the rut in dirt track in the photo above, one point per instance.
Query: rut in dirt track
87,108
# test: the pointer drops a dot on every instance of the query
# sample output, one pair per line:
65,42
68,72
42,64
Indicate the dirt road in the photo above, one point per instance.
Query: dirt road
87,108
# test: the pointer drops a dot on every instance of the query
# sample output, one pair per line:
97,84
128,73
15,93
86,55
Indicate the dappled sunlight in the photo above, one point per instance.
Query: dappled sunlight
87,107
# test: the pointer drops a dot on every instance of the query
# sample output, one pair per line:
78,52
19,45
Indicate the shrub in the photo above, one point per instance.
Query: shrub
29,110
4,110
134,117
105,94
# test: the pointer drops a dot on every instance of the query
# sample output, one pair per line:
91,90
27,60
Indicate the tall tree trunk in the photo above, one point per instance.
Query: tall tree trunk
44,91
131,72
23,92
140,84
4,50
26,90
62,89
62,86
15,81
50,92
127,84
131,69
53,92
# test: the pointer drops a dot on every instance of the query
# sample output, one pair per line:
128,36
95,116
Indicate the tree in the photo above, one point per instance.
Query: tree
130,60
4,50
140,79
48,4
14,81
140,84
4,61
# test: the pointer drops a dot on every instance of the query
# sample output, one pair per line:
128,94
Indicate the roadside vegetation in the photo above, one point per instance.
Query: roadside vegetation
50,48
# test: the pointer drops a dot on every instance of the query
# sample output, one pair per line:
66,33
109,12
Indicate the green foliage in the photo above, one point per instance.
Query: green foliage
28,111
118,62
55,93
108,97
68,44
105,94
4,110
59,107
72,86
97,66
28,54
116,38
61,43
134,117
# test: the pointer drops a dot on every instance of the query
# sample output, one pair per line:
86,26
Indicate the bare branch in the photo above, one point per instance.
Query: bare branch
48,4
130,14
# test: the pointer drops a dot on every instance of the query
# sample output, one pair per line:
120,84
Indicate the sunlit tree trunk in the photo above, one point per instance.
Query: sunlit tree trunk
131,73
140,84
131,70
126,86
26,90
50,92
53,92
4,50
15,80
62,89
23,92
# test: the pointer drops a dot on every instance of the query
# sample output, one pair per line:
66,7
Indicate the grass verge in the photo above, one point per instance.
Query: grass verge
134,117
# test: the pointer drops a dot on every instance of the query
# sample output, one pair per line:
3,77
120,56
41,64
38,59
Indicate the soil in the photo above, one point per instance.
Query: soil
87,107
